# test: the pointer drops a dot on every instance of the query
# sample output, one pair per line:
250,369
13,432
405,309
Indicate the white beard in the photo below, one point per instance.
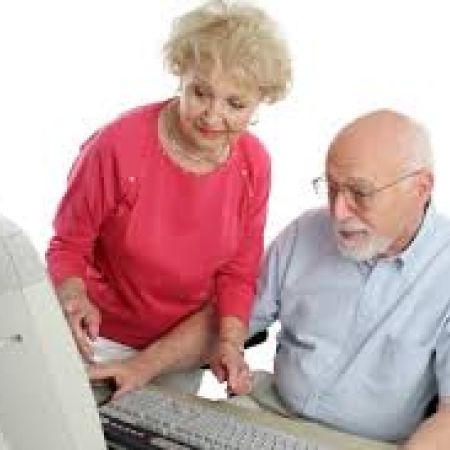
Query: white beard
369,245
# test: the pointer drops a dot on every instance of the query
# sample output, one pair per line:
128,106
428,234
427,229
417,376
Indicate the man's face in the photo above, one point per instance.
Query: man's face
369,221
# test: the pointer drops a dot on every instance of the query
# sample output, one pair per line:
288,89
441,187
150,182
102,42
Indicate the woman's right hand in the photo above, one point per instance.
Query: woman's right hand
228,364
82,316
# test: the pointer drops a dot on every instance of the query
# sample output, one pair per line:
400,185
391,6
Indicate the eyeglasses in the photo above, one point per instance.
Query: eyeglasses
357,196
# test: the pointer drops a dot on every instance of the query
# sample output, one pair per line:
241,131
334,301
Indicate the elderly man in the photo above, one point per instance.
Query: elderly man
362,291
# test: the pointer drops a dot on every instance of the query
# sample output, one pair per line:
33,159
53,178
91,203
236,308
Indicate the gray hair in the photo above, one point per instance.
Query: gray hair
421,155
237,37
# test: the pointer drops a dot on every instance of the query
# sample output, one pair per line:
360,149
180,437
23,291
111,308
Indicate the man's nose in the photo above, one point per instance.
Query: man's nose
340,207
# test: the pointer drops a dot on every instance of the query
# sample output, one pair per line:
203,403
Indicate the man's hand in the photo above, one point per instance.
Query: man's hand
82,316
228,364
434,432
127,375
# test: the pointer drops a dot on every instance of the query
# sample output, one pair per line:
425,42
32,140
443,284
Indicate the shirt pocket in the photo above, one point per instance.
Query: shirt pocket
382,393
317,322
402,364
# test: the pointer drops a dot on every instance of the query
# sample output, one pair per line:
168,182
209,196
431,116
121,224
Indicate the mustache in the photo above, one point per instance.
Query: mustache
350,226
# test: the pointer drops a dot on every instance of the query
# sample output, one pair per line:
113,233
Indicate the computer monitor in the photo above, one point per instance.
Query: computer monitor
45,397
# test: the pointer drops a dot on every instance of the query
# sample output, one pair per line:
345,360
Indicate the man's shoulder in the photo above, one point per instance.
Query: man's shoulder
442,223
434,235
310,230
310,222
439,238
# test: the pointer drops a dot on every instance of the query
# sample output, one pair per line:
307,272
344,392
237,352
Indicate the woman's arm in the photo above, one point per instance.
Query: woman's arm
82,316
236,280
89,198
184,347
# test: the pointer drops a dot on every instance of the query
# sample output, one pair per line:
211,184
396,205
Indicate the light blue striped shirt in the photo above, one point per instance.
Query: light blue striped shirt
362,347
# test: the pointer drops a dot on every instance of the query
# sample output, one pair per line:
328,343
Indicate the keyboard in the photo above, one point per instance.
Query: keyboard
157,419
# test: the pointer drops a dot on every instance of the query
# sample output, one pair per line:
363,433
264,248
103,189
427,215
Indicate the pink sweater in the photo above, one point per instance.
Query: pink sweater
153,242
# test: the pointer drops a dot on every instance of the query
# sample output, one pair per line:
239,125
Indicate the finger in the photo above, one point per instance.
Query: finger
91,323
73,305
83,342
240,389
77,322
238,375
87,352
98,372
234,385
122,390
76,316
232,372
235,367
243,385
219,372
75,311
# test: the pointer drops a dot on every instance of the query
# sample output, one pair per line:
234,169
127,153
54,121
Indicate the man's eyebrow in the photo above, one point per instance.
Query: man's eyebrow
353,180
360,181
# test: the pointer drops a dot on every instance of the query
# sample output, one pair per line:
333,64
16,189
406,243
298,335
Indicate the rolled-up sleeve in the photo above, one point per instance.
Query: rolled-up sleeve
89,198
236,279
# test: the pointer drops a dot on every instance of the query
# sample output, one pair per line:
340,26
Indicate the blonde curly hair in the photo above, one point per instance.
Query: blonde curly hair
240,39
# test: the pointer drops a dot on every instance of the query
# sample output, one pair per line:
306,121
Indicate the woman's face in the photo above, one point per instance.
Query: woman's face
214,109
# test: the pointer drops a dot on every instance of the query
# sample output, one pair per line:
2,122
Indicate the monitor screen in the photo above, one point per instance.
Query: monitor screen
45,398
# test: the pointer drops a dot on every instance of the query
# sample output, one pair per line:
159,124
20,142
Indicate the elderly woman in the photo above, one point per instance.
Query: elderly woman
159,235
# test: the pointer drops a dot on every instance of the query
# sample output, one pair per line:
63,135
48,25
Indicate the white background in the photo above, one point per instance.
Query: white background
68,67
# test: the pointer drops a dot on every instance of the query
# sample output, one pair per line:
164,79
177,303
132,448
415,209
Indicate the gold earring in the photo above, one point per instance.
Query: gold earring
254,120
178,90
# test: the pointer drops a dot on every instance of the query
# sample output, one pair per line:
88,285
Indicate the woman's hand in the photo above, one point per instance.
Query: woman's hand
228,364
184,347
127,374
82,316
227,357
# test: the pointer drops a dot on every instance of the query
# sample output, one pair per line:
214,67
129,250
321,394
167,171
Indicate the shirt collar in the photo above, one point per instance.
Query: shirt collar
420,242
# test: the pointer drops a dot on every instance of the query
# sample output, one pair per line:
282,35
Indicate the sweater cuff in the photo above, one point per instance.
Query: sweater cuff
235,303
57,276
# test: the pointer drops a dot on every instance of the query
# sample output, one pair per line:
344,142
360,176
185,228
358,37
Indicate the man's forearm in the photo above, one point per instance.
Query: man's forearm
184,347
433,433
